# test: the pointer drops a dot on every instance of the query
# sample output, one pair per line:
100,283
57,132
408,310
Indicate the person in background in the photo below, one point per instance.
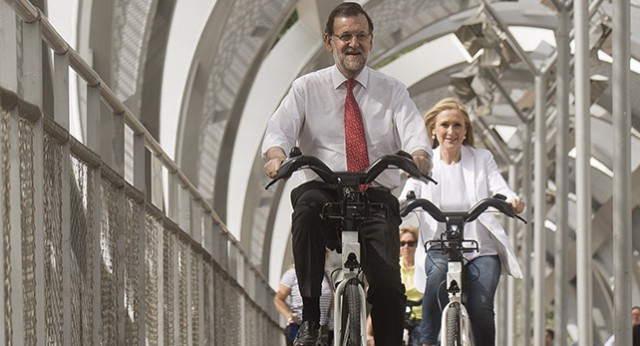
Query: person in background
347,115
635,323
292,311
408,245
465,175
636,335
549,335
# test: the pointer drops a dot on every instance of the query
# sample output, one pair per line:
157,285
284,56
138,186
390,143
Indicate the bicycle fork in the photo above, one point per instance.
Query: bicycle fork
463,323
350,264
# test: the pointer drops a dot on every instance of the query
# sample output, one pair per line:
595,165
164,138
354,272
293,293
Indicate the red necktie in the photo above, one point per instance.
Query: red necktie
355,140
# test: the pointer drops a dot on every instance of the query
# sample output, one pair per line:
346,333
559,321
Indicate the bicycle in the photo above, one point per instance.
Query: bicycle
410,322
456,325
350,210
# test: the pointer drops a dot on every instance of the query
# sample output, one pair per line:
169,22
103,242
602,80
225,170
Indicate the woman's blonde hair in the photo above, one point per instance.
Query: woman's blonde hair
410,229
449,103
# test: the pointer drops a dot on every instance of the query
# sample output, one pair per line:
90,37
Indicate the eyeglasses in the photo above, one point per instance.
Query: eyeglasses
411,243
347,36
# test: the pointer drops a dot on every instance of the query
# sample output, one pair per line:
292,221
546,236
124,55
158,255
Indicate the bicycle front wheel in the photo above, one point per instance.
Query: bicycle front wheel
350,325
453,325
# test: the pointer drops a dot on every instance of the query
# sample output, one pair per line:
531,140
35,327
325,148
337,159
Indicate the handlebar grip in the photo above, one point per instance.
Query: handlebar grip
500,196
414,302
405,154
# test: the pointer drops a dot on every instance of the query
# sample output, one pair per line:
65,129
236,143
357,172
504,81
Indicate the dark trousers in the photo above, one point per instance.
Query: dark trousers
380,254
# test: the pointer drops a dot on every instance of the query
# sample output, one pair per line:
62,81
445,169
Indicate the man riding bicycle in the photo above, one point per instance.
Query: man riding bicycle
347,115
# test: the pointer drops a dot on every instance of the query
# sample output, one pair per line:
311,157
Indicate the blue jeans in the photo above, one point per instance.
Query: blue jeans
415,335
481,277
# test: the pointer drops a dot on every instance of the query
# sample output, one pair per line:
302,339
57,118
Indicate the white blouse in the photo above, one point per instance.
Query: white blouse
454,197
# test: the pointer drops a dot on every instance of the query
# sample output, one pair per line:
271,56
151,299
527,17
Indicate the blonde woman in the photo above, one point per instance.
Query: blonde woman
465,175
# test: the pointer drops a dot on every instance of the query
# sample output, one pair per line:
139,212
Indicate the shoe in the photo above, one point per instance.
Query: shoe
308,334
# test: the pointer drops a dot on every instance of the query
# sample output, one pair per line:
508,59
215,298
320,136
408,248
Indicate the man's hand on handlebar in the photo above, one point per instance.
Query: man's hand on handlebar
275,156
423,161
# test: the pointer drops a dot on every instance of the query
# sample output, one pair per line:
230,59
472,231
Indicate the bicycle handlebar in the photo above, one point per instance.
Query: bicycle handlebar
497,201
400,160
412,303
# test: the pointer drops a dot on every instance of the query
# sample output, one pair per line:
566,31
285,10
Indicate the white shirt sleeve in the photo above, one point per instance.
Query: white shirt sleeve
284,125
611,341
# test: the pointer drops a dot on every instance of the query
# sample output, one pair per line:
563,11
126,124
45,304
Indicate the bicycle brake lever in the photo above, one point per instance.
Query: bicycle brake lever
270,183
428,177
512,212
520,218
281,175
422,176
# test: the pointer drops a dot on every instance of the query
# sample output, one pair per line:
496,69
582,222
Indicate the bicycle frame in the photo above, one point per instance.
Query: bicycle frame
338,303
454,276
353,208
351,258
453,243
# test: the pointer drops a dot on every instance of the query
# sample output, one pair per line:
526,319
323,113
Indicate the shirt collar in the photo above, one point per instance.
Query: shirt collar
338,78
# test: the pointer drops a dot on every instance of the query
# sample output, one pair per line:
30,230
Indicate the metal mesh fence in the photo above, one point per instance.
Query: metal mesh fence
132,275
207,304
83,250
53,161
6,227
87,261
27,226
152,228
111,223
195,301
168,258
183,301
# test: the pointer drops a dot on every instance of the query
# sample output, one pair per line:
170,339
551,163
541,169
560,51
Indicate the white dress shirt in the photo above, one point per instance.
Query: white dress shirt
311,116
